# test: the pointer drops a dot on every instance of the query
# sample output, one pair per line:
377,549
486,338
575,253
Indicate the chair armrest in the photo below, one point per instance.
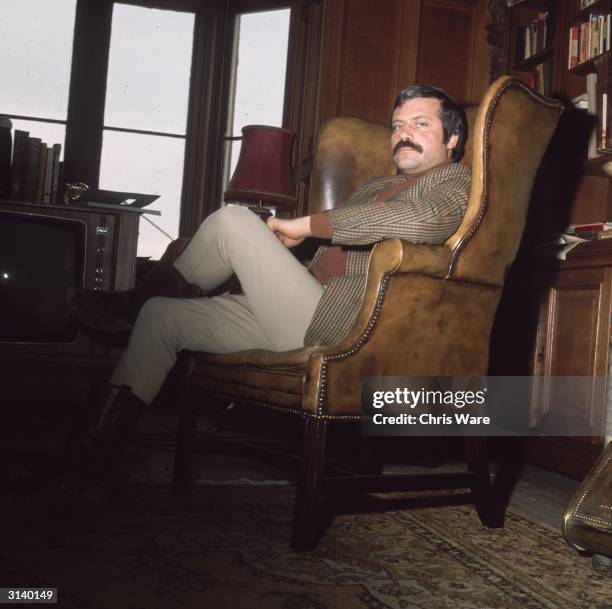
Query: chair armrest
432,260
390,257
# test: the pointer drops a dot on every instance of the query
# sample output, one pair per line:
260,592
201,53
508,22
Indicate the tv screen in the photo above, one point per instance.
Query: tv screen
41,261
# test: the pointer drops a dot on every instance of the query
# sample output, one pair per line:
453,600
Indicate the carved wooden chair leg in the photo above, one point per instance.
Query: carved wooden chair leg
307,519
487,508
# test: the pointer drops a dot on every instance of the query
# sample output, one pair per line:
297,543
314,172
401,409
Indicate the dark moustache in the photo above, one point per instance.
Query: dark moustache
406,144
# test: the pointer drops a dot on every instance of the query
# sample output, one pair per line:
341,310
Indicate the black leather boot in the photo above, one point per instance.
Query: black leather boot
117,311
96,447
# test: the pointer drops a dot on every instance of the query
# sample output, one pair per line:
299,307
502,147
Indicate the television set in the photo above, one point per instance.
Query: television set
46,251
41,262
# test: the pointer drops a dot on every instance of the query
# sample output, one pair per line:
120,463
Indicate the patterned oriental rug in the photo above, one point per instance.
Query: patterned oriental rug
227,547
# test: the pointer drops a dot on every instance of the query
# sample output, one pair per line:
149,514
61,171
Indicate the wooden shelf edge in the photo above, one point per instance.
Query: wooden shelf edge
534,60
586,67
593,167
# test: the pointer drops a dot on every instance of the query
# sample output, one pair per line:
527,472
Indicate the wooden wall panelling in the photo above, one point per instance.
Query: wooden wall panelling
363,47
409,36
373,50
447,45
591,200
497,38
482,56
302,113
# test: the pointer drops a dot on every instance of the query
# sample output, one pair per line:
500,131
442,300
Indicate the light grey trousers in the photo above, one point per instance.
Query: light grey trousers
278,301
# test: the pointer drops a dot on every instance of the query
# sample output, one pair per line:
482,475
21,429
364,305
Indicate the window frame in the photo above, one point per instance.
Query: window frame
208,95
228,134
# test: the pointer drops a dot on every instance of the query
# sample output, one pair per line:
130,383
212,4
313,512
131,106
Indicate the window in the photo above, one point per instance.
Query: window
258,85
145,114
126,65
36,53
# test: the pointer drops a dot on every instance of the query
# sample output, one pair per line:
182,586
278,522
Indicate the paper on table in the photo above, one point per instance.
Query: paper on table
569,242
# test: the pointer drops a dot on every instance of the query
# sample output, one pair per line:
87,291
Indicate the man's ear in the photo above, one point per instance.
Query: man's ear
452,141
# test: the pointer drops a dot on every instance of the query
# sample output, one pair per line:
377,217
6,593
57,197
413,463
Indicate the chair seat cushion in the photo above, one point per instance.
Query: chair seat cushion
270,378
260,357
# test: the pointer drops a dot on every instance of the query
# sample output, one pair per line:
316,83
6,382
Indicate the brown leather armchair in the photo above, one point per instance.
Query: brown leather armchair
443,297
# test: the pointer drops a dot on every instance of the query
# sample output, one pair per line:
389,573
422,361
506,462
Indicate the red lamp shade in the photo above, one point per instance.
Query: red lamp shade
263,172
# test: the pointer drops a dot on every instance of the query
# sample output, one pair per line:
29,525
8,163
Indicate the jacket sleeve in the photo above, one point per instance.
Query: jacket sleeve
429,216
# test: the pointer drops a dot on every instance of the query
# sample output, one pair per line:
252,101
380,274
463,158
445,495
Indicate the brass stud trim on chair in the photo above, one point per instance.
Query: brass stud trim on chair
343,354
551,103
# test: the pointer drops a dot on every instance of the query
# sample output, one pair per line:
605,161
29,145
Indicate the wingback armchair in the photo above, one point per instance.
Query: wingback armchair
427,309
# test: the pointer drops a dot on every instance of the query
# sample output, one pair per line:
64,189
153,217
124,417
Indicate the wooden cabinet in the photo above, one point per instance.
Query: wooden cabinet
573,340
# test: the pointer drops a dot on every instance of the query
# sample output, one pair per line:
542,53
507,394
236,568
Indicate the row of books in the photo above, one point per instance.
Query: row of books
36,169
540,79
533,38
589,39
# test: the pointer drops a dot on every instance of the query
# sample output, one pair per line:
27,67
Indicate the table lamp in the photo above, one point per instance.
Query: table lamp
262,178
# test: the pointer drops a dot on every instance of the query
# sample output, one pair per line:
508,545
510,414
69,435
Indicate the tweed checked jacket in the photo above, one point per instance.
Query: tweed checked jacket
428,211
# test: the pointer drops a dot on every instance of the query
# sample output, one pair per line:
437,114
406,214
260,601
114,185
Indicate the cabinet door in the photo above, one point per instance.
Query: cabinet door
573,341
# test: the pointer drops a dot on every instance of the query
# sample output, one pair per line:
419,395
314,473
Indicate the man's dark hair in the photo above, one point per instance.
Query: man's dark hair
452,116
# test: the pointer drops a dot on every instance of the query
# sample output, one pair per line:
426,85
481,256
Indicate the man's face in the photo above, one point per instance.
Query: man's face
417,136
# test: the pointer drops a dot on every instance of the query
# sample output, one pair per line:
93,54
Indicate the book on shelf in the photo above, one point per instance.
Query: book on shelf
592,97
579,229
59,190
42,166
31,175
604,111
57,149
574,37
20,162
48,185
595,235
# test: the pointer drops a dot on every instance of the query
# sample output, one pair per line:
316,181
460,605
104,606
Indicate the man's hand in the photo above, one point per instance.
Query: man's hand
291,232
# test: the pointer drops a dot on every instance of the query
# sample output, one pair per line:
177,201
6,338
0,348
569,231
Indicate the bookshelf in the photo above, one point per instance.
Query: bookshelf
570,334
568,56
533,39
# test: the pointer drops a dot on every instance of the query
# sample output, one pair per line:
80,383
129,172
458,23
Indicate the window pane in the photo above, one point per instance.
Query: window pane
50,133
148,164
35,56
260,70
149,69
231,148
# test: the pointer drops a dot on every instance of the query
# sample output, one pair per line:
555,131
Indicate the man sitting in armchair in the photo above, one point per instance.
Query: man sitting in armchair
284,305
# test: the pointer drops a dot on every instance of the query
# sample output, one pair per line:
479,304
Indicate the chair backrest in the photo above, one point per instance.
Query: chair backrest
507,137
